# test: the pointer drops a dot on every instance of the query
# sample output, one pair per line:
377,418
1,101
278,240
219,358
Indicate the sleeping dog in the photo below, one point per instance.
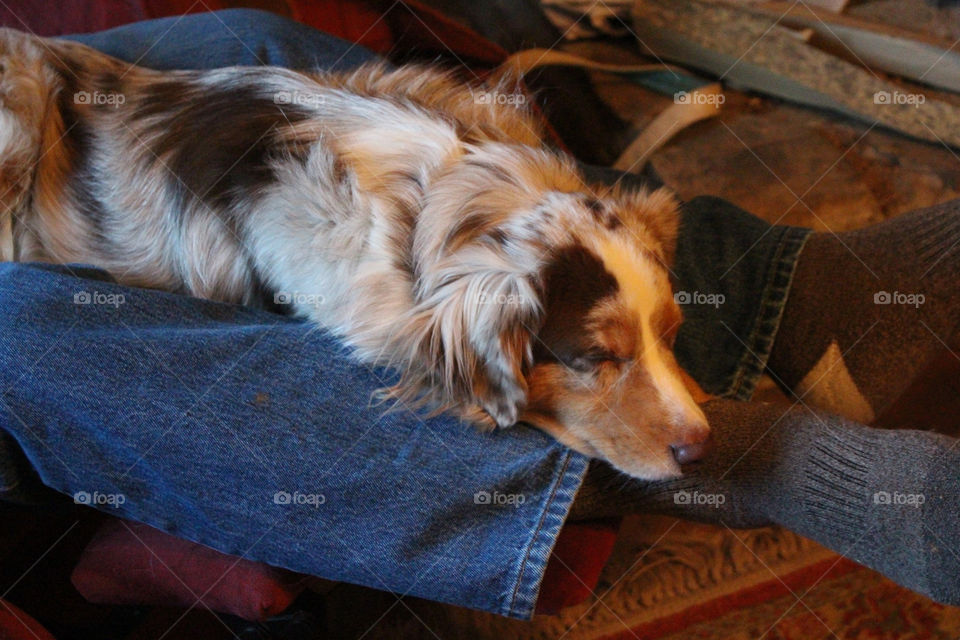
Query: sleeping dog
423,221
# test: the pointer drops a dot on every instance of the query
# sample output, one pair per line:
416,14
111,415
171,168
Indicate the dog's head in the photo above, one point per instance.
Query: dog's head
549,303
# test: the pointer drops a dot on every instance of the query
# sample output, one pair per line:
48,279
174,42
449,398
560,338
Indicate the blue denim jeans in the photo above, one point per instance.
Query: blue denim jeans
255,434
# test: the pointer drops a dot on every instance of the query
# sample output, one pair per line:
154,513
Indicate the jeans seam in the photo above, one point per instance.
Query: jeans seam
544,536
773,300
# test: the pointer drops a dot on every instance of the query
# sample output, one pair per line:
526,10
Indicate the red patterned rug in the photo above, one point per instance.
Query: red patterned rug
833,598
675,580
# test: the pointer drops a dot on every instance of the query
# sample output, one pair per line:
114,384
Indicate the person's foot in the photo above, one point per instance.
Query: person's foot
889,499
868,309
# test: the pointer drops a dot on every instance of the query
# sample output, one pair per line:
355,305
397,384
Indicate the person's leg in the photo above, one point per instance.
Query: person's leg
242,37
868,310
889,499
259,436
253,434
724,252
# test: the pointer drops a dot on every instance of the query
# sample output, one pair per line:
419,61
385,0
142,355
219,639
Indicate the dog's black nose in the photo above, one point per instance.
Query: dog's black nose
688,452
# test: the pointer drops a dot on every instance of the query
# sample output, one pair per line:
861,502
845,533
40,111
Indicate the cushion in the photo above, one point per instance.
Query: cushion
17,625
573,571
135,564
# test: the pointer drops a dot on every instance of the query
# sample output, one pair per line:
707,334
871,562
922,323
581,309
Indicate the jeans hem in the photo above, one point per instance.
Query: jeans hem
536,553
773,300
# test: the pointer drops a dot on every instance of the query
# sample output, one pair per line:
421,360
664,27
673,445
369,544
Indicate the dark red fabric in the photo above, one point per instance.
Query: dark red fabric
57,18
574,568
131,563
17,625
581,550
389,27
361,22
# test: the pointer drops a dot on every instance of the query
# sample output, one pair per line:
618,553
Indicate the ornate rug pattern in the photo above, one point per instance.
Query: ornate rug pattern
670,579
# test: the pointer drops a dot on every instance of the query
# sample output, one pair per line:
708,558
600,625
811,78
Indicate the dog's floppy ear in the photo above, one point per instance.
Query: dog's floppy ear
474,344
503,311
478,246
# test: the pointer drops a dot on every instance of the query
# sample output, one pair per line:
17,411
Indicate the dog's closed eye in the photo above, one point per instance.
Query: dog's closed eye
592,360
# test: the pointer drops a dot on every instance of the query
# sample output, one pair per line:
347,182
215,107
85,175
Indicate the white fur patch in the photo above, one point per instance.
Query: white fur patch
639,279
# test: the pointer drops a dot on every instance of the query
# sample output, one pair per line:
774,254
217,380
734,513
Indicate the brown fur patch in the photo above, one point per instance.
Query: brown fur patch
574,281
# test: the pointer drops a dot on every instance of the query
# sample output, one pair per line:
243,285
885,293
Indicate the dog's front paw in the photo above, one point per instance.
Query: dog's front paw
503,414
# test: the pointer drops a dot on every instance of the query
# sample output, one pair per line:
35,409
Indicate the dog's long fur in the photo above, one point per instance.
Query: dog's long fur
420,219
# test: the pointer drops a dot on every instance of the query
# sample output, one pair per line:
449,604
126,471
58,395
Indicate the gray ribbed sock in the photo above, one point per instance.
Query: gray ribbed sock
887,499
868,309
